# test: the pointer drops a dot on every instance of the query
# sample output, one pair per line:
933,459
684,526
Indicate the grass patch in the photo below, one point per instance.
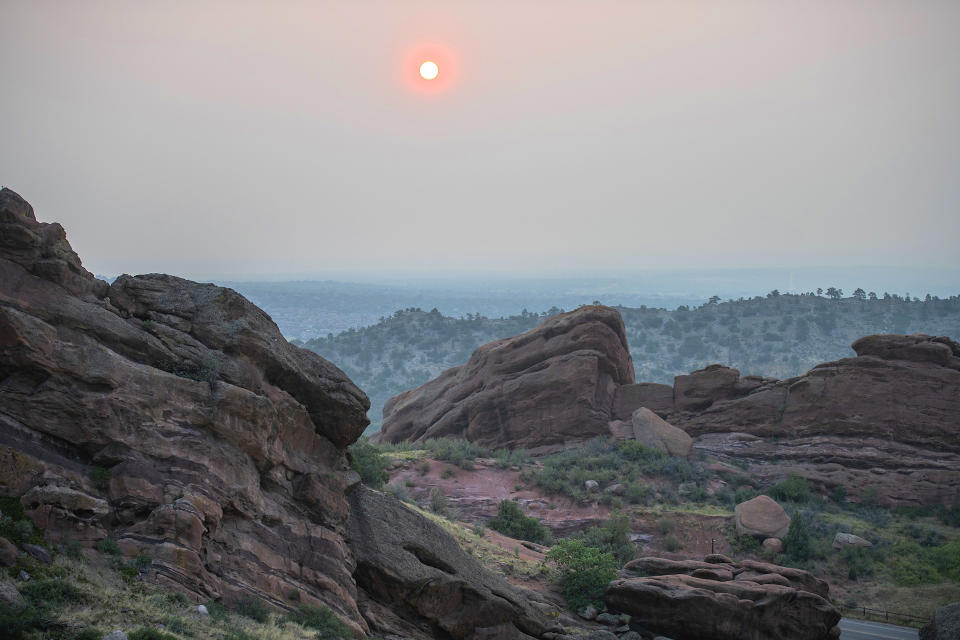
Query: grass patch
324,621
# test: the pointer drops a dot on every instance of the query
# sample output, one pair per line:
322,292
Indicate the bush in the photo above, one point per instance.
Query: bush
15,623
109,547
584,572
366,459
399,492
424,468
149,633
324,621
253,609
438,501
797,541
506,458
455,451
448,472
100,476
793,489
90,633
671,544
510,521
50,593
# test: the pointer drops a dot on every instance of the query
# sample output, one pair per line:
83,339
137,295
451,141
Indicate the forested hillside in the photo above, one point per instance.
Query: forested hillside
780,335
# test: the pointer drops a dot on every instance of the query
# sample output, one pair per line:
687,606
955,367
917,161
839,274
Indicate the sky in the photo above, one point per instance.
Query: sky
272,139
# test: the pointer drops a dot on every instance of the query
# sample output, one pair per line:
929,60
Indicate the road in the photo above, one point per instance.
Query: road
863,630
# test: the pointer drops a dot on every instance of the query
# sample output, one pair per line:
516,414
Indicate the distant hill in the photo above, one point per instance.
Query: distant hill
776,336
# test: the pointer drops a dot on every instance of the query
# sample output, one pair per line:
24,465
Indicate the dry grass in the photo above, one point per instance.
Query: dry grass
111,602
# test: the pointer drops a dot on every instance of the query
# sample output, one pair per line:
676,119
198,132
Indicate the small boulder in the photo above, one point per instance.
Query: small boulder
608,619
115,635
653,431
23,576
773,545
717,558
589,613
762,517
10,596
616,489
8,553
38,552
592,486
202,610
842,540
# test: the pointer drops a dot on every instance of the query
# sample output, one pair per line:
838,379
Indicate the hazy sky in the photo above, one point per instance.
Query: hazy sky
263,138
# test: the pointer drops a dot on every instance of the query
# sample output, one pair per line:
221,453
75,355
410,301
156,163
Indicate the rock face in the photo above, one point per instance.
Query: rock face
842,540
761,517
219,447
945,624
651,430
549,388
432,587
689,600
887,418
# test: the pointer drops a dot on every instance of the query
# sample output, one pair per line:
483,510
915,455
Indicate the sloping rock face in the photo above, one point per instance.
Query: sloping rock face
544,390
432,587
888,418
220,446
689,600
651,430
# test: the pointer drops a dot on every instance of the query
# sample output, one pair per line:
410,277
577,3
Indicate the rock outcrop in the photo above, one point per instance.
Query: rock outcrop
945,624
219,448
688,600
887,418
430,586
549,388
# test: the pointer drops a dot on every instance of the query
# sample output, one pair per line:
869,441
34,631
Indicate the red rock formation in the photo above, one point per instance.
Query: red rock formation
543,390
689,599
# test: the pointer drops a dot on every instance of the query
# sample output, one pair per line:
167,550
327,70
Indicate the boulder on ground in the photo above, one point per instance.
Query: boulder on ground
8,553
945,624
842,540
652,431
773,545
9,595
762,517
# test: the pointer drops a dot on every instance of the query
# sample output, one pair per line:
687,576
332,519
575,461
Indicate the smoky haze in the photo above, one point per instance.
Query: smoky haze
244,139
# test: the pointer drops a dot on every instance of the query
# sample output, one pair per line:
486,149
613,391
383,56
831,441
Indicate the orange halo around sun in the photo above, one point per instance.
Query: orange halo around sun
429,67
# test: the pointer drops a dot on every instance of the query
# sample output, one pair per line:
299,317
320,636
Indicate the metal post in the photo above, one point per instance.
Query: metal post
712,542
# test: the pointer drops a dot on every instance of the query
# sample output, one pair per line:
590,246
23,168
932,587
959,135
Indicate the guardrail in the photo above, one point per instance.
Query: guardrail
886,615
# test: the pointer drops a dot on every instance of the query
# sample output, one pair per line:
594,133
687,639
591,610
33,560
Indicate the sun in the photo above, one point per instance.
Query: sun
429,70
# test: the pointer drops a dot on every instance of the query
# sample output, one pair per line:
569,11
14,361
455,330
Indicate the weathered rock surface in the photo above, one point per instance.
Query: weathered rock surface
842,540
223,443
433,588
8,553
945,624
651,430
762,517
887,418
549,388
682,600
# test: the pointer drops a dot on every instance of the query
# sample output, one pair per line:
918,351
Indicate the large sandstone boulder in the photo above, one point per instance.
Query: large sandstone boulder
945,624
689,600
429,582
762,517
651,430
543,390
223,445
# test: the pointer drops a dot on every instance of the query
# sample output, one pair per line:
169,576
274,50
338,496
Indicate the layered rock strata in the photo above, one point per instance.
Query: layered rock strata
724,600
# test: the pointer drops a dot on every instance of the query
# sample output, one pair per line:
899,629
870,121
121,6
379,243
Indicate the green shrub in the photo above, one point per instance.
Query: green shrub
584,572
797,542
216,610
399,492
181,599
143,562
455,451
448,472
424,468
14,525
665,525
100,476
366,459
253,609
637,493
438,501
839,494
510,521
109,547
175,625
50,593
90,633
149,633
324,621
15,623
793,489
506,458
859,562
671,544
